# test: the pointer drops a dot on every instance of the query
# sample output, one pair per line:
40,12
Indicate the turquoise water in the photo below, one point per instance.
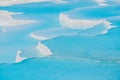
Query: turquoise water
77,40
59,69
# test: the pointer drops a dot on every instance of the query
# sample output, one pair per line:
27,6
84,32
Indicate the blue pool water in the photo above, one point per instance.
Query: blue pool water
76,40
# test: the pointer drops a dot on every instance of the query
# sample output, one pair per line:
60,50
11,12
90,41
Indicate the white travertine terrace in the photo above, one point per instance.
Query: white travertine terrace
43,50
82,24
16,2
18,57
102,2
6,19
77,23
38,37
